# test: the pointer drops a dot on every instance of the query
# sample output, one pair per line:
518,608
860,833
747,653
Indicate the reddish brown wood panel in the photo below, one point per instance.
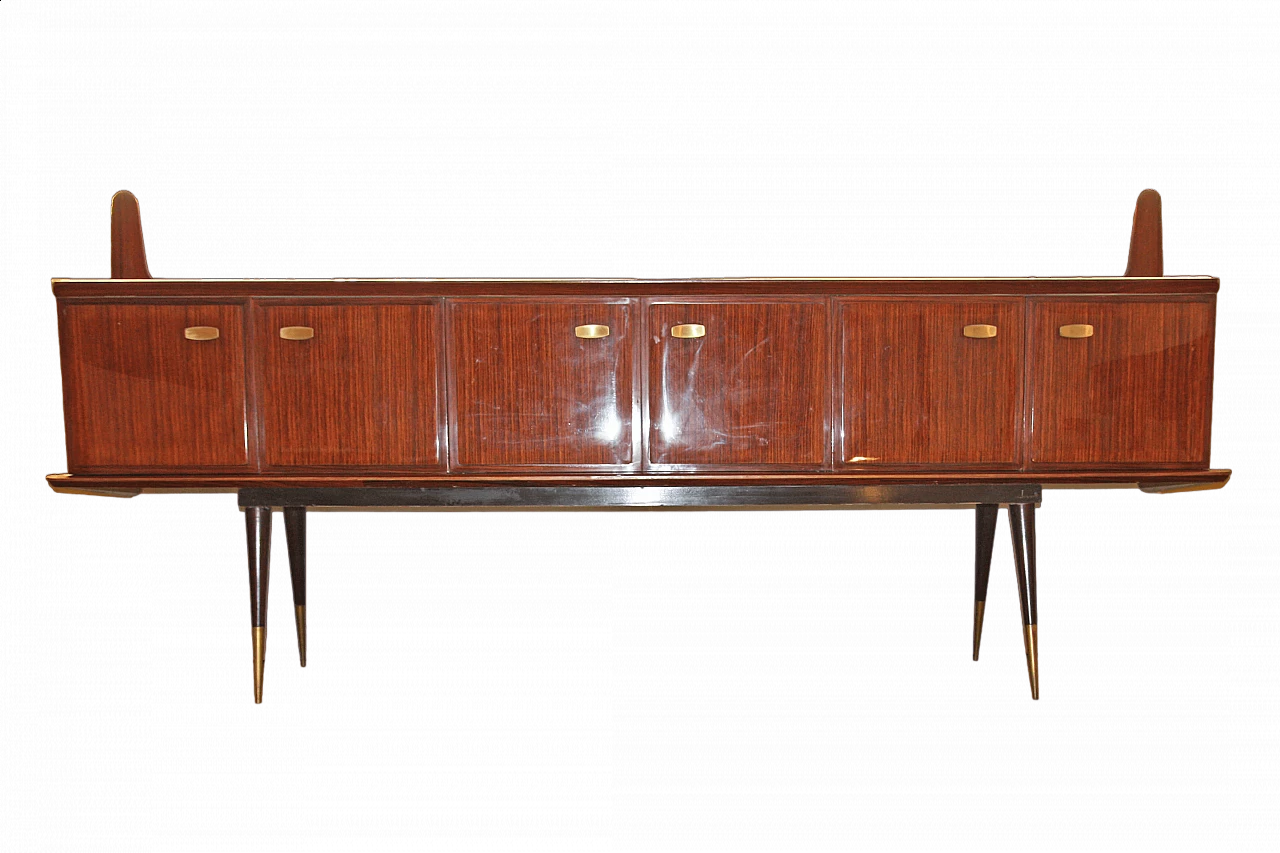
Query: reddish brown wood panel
363,391
128,252
752,392
526,391
138,395
917,391
1138,392
1146,241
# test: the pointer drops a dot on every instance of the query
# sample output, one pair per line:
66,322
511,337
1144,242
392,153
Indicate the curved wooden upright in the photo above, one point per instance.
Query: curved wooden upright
128,253
1146,241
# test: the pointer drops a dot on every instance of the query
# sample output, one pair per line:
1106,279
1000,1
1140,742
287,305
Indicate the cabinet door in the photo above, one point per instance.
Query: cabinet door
140,392
1136,392
349,385
931,382
541,382
747,384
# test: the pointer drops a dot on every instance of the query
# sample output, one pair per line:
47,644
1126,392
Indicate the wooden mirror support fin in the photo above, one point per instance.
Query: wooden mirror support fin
128,255
1146,244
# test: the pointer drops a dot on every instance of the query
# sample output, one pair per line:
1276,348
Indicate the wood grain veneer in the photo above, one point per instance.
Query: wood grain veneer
916,391
751,392
138,395
1137,393
363,392
525,391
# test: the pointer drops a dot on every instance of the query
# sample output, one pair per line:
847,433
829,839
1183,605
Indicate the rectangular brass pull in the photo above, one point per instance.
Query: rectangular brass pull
688,330
1076,330
980,330
591,330
297,333
201,333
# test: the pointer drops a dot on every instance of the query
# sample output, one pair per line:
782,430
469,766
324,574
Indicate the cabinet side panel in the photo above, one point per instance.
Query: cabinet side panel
139,395
1136,391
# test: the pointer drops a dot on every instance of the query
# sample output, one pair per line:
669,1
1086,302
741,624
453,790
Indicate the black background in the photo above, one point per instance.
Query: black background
725,626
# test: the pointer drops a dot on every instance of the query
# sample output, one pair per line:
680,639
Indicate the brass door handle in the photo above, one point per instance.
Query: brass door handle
297,333
980,330
688,330
1076,330
591,331
201,333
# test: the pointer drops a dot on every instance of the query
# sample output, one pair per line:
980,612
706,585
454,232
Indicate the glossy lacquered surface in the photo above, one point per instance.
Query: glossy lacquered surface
138,395
917,391
751,391
1137,392
534,383
363,391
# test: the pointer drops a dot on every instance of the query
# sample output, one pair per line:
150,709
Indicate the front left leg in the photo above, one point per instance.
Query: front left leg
984,541
1022,523
257,522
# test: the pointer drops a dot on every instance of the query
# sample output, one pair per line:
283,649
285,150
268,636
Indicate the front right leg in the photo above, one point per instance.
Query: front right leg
1022,524
257,521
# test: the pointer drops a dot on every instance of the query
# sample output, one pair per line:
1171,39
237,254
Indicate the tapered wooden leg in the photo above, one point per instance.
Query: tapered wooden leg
295,534
984,539
257,521
1022,523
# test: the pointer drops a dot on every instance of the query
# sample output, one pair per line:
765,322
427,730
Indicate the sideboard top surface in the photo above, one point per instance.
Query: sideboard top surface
654,287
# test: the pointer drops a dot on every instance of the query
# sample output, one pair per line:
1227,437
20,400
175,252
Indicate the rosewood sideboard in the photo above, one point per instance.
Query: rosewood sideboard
636,393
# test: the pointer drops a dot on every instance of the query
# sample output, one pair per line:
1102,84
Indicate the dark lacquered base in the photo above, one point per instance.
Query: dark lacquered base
1022,526
1021,499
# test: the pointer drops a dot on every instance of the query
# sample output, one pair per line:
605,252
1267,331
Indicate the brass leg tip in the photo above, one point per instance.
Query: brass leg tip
300,619
259,662
1030,642
979,607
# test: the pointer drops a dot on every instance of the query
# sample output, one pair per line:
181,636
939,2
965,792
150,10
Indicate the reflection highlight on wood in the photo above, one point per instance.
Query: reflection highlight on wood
752,392
525,393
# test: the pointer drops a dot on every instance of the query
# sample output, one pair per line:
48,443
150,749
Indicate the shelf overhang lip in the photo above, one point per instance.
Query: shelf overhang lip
866,279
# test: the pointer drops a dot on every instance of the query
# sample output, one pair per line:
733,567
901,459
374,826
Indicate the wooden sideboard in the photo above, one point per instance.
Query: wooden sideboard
636,392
